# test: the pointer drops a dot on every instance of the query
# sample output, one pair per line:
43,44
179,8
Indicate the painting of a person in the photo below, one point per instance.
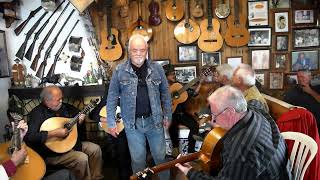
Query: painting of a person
281,22
302,63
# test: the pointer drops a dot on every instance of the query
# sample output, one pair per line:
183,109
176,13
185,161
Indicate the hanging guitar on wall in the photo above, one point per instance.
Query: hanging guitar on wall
154,18
174,10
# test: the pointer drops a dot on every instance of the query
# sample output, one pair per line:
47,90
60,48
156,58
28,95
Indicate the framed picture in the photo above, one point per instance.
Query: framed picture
234,61
282,43
292,79
260,78
276,80
279,4
304,16
304,60
259,37
260,59
162,62
187,53
185,74
280,60
210,59
4,62
281,22
307,37
258,13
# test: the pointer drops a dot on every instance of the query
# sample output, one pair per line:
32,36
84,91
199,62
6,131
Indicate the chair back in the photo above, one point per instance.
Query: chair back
303,151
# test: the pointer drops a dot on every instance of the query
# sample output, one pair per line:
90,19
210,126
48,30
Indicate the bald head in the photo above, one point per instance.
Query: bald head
51,96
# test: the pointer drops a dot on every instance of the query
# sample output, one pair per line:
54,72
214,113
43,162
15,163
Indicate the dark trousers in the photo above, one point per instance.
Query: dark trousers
188,121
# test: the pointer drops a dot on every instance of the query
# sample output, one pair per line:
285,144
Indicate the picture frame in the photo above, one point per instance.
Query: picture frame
282,42
304,60
279,4
292,79
261,78
258,13
162,62
4,60
260,59
187,53
210,59
259,37
281,22
185,74
234,61
306,37
304,16
276,80
280,60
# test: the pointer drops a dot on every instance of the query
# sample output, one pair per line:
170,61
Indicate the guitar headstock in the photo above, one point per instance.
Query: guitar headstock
145,174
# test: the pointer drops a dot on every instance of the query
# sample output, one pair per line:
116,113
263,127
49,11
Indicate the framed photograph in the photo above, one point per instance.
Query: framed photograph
259,37
187,53
304,60
260,78
234,61
304,16
280,60
258,13
307,37
279,4
162,62
276,80
282,43
4,61
281,22
210,59
260,59
292,79
185,74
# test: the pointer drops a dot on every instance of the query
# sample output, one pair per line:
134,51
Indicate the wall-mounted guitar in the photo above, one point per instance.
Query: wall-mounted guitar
196,8
187,31
119,121
237,35
140,27
210,39
110,48
154,18
223,9
25,171
174,10
62,145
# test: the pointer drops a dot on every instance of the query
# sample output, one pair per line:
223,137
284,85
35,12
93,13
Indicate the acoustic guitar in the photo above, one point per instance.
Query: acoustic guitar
110,48
119,121
237,35
62,145
223,9
174,10
196,8
209,156
25,171
210,39
187,31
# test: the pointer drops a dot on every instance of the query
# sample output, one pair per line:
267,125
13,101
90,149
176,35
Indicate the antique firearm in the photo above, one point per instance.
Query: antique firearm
28,54
19,29
43,64
41,46
23,46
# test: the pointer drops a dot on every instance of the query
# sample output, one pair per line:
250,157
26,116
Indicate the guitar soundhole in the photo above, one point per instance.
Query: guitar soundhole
175,95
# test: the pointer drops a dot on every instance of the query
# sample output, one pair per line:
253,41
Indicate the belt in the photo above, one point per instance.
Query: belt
143,116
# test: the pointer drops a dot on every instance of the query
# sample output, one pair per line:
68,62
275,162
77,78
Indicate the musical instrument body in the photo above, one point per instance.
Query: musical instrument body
177,97
196,9
223,9
154,18
174,10
119,121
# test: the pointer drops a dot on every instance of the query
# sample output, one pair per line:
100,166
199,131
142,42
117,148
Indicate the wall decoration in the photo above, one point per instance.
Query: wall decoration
258,13
260,58
279,4
234,61
210,59
260,78
4,62
281,21
187,53
304,60
186,73
304,16
307,37
260,37
280,60
276,80
282,43
162,62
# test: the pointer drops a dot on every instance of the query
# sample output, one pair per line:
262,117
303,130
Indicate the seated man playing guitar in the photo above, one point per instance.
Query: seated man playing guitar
85,159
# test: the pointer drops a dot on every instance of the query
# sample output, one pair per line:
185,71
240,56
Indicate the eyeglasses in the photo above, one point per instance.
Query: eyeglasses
138,50
214,116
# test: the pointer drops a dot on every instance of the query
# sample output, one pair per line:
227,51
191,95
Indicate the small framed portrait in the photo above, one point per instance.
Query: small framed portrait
260,78
210,59
187,53
292,79
185,74
280,60
258,13
279,4
282,43
4,61
276,80
304,60
259,37
162,62
234,61
260,59
304,38
281,22
304,16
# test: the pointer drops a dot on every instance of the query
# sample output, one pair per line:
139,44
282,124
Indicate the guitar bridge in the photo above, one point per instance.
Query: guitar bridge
210,40
237,36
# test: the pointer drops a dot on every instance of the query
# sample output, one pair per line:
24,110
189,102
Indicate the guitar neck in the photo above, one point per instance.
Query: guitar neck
209,14
186,10
75,119
16,136
109,21
187,86
236,12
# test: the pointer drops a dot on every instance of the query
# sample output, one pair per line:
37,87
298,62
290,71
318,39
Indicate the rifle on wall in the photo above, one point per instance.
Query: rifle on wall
41,46
43,64
23,46
28,54
19,29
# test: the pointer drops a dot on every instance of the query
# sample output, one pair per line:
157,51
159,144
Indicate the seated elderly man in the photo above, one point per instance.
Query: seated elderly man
223,74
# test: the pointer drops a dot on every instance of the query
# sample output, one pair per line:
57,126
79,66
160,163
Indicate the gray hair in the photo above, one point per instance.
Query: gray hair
246,73
305,72
225,70
137,36
46,93
228,96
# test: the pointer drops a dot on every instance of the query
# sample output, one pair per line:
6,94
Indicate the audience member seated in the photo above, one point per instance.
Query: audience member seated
223,74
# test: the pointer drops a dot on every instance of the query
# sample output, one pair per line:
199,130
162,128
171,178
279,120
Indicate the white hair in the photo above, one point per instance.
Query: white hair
305,72
225,70
246,73
137,36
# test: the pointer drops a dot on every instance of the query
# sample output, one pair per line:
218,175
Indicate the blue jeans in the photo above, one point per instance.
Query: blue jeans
145,128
